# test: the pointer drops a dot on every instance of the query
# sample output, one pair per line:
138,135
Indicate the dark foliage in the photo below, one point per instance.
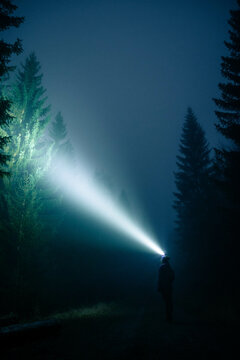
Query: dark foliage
228,113
193,184
6,51
228,156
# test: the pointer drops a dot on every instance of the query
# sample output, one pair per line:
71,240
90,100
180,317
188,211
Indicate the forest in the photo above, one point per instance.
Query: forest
54,258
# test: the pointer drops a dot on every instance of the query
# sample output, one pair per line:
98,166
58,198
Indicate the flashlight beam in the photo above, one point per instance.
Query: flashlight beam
83,191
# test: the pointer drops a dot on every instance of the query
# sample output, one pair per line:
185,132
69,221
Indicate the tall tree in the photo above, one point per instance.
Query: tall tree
229,102
62,153
29,159
228,156
192,181
6,50
228,124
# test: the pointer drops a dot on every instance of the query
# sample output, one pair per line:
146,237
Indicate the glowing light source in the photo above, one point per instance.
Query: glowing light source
83,190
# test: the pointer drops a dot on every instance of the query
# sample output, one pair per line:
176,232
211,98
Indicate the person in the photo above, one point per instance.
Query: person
165,280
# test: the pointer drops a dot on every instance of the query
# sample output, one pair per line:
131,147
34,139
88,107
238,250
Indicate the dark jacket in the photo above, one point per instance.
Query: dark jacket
165,277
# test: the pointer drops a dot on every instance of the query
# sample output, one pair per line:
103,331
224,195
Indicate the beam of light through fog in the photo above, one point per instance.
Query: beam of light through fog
81,189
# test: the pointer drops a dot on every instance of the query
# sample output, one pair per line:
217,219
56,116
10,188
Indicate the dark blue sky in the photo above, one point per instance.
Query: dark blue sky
123,74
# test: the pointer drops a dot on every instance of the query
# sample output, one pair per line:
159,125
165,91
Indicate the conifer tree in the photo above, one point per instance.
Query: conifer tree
28,155
192,182
29,160
7,20
62,153
62,147
229,103
228,124
228,159
58,130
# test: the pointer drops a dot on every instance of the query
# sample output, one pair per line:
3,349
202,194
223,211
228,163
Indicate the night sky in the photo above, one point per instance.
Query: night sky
123,74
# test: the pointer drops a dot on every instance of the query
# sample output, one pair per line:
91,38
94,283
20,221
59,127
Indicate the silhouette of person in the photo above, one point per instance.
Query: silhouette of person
165,279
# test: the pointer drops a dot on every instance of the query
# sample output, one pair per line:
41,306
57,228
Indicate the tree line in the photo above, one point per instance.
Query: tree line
32,211
30,144
207,197
39,233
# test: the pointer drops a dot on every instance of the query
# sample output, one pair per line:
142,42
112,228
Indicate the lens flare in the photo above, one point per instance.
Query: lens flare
80,188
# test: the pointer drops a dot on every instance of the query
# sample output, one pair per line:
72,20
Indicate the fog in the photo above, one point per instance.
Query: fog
124,89
123,74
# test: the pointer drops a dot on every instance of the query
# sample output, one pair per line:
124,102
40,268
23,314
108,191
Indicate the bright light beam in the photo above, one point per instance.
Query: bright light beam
83,191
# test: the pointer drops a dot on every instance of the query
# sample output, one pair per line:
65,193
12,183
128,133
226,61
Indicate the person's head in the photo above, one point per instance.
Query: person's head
165,259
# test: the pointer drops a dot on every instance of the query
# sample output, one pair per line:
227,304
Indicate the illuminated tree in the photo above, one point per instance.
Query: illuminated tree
6,50
192,182
61,152
29,160
29,157
58,130
62,147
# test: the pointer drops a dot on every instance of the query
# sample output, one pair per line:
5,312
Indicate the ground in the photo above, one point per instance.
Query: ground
120,332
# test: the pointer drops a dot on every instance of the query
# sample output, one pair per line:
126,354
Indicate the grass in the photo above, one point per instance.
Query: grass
100,310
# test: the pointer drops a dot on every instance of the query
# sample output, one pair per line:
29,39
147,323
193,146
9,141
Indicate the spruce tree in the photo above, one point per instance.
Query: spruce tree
192,181
62,154
229,103
58,130
29,160
228,158
228,124
62,147
7,20
28,154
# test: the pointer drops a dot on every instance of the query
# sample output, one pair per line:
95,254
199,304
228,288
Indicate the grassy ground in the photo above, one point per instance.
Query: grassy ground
111,331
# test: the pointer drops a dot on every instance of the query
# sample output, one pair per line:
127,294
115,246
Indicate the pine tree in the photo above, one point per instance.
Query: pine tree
28,154
62,153
6,50
58,130
62,147
228,158
28,98
229,119
29,160
229,103
192,181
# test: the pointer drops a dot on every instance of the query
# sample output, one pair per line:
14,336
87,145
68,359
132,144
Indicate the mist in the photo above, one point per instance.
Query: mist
124,89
